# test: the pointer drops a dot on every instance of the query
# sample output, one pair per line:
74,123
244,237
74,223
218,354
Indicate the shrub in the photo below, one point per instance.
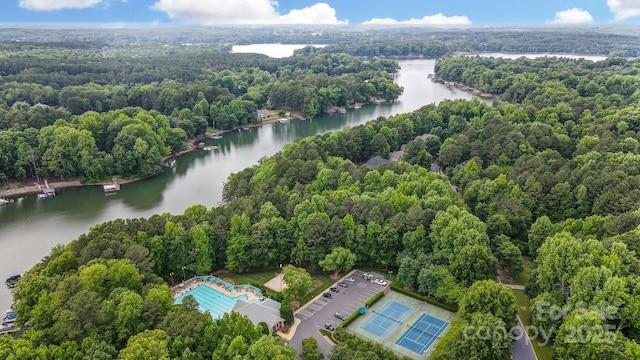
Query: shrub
286,313
374,299
263,328
404,291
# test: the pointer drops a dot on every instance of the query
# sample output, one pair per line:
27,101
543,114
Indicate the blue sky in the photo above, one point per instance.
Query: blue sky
352,12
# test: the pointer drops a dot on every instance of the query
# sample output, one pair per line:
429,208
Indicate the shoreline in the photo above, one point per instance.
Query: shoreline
192,146
36,188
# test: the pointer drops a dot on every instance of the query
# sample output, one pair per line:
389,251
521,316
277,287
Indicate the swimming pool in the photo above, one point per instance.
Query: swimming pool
212,300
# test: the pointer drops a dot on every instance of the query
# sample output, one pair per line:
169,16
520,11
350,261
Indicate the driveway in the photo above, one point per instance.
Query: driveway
321,310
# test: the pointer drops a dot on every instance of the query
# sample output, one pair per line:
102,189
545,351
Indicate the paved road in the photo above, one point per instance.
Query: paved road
522,348
321,310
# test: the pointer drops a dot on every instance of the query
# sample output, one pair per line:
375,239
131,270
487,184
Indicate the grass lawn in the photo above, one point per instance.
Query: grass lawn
320,281
523,277
542,352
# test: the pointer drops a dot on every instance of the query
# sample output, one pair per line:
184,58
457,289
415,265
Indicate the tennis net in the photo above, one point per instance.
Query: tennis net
425,330
386,316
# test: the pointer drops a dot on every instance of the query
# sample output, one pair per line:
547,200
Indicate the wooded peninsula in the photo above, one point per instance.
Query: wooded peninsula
540,189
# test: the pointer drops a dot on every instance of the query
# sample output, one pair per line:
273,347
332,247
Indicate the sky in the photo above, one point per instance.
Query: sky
123,13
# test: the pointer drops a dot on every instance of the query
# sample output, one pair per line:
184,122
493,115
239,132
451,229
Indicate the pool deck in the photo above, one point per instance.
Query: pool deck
221,287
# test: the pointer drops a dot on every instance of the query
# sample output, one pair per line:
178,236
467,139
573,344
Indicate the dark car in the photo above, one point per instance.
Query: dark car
344,285
327,295
329,326
334,289
340,315
12,281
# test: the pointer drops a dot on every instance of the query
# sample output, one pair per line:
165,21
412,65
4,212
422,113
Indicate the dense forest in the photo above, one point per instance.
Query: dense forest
361,40
95,113
550,172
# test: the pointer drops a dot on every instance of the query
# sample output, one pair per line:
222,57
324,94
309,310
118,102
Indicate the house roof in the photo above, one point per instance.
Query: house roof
375,161
259,311
264,112
396,156
435,167
422,137
40,105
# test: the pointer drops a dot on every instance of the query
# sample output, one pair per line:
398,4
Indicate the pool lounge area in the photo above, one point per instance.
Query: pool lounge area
218,297
212,300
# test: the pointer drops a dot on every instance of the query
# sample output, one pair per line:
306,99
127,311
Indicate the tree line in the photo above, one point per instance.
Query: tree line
87,129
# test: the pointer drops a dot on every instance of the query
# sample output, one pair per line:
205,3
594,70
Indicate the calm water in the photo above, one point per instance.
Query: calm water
30,227
272,50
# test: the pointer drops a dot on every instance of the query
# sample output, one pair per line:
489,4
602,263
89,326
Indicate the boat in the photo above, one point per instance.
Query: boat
209,148
357,106
216,137
12,280
47,193
283,120
342,110
111,188
245,128
4,201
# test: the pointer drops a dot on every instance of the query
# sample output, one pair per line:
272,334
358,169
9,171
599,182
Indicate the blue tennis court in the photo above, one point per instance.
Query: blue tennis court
386,319
422,334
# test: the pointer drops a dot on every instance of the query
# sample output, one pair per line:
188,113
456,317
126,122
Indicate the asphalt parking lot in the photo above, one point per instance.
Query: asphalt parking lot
320,311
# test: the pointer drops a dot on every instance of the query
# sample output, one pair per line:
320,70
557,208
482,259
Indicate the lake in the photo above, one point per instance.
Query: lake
272,50
30,227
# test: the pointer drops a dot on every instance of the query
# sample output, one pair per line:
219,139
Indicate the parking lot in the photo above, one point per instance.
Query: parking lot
322,310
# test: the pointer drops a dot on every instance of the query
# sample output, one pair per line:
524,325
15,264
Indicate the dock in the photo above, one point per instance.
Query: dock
109,188
4,201
47,192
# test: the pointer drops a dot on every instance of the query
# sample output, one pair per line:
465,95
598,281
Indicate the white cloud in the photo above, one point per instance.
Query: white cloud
50,5
624,9
212,12
572,16
437,19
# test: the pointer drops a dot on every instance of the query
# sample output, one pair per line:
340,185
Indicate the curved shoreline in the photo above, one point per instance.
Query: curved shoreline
75,183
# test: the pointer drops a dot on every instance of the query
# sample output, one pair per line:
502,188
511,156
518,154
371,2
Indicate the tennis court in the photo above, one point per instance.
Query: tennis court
386,319
422,334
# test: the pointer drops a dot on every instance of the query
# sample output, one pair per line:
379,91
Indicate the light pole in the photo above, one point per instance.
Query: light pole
390,273
280,277
171,275
184,277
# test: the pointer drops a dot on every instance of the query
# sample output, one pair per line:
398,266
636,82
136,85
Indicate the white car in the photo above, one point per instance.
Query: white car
381,282
350,279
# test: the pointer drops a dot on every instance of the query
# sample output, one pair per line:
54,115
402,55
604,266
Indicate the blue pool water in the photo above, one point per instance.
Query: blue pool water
212,300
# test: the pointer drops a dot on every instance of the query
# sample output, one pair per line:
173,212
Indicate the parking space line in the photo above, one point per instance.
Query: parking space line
321,302
315,307
306,313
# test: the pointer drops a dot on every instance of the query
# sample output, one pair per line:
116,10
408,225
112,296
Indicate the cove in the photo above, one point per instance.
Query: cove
30,227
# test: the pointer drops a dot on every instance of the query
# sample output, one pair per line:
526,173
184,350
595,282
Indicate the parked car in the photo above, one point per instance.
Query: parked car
340,315
329,326
9,318
367,276
334,289
381,282
327,295
350,279
344,285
